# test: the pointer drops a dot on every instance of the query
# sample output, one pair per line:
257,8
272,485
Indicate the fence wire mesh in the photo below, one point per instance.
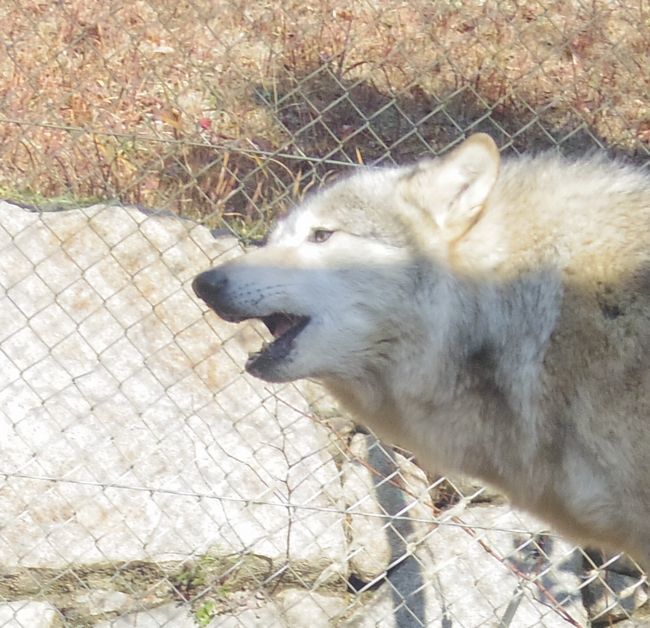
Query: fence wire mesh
145,480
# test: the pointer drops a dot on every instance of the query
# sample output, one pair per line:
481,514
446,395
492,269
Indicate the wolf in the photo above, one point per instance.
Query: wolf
490,315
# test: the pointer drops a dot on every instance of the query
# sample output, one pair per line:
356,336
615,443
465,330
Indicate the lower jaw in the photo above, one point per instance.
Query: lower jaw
266,368
268,363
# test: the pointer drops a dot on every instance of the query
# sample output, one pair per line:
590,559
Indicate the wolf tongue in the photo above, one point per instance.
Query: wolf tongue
279,324
282,326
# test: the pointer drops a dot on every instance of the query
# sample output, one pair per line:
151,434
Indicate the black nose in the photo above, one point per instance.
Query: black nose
207,285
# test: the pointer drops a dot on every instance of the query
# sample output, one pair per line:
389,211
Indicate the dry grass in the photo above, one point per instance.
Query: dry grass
213,108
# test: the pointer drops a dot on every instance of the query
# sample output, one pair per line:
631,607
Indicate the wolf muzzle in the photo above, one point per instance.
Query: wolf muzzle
210,286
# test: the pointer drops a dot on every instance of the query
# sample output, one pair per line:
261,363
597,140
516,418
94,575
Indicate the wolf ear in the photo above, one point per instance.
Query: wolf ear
452,190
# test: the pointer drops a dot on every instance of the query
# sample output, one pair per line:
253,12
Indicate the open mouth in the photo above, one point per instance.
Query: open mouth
284,328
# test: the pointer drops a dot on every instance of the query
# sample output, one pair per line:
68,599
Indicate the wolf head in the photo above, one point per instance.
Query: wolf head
343,274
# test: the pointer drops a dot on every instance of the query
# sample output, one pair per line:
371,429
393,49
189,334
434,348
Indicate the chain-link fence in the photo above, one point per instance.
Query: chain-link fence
145,480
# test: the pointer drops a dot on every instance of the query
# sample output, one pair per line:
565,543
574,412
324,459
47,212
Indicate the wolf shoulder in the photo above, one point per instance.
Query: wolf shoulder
588,217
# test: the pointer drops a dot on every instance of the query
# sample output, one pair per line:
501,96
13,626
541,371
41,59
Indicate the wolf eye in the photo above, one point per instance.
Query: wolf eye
320,235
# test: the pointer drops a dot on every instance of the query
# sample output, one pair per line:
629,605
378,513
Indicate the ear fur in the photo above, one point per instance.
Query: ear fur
452,191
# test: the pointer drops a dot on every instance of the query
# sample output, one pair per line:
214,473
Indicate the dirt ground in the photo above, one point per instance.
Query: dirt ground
220,109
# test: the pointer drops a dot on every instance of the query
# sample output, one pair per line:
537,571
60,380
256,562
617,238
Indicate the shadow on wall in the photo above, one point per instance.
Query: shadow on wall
404,575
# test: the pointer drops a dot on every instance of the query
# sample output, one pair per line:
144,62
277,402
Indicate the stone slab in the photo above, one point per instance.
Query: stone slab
28,614
128,429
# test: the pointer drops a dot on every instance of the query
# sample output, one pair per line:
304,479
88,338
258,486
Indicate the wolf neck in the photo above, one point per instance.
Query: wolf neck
483,367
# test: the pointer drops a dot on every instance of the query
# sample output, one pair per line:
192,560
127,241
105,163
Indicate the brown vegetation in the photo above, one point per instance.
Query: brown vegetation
213,108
